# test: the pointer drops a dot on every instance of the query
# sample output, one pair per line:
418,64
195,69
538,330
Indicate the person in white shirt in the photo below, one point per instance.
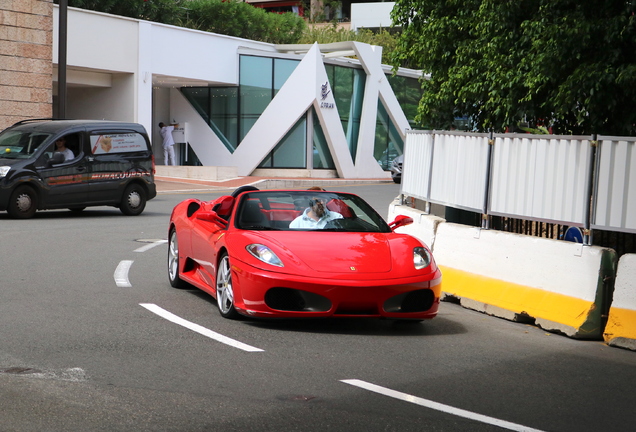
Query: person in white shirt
316,216
168,142
60,147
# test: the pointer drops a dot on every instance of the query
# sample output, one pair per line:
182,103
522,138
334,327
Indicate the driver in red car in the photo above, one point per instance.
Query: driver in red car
315,216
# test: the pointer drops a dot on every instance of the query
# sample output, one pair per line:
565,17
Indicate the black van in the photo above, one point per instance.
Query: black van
109,163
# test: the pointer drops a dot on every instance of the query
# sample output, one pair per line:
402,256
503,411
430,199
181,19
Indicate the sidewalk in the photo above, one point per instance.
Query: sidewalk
173,184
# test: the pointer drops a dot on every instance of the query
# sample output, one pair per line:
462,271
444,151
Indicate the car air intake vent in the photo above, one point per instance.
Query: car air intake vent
414,301
293,300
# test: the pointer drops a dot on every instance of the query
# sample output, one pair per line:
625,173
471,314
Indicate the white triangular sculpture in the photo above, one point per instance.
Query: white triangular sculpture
301,90
308,86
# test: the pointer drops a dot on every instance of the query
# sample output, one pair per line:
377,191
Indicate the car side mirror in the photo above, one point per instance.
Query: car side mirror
400,221
56,159
211,216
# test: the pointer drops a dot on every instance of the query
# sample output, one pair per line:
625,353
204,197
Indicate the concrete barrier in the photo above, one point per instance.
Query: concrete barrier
621,324
557,285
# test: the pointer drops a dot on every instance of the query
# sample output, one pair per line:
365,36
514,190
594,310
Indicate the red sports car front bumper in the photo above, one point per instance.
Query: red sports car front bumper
260,293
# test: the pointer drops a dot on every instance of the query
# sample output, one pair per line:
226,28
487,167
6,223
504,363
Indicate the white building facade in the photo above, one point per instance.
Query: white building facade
240,103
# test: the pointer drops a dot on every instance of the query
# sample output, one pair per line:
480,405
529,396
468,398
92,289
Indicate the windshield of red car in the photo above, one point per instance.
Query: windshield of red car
308,211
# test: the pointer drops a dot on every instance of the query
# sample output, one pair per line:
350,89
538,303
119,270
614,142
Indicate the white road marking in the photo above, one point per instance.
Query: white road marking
151,245
199,329
121,274
438,406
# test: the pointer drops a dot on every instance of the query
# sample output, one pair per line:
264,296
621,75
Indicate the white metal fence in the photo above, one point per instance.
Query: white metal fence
615,185
571,180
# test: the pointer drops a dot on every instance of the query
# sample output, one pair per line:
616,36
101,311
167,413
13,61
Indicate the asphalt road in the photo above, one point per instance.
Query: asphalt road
87,344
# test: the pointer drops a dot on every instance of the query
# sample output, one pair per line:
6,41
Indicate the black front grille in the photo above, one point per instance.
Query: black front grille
293,300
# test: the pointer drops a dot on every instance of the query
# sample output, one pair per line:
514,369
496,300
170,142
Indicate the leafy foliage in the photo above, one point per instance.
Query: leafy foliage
164,11
569,63
236,18
228,17
333,33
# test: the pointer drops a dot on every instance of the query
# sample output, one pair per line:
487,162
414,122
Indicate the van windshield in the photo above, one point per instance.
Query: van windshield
16,144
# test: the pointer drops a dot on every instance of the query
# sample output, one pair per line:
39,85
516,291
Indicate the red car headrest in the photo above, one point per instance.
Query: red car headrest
223,207
337,205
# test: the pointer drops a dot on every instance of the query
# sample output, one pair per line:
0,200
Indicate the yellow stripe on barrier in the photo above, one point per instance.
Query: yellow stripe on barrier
535,302
621,324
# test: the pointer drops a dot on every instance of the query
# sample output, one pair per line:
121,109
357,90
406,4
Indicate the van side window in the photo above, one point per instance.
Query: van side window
67,145
117,143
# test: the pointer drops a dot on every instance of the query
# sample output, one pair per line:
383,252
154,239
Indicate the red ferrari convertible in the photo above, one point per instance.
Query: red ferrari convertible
301,253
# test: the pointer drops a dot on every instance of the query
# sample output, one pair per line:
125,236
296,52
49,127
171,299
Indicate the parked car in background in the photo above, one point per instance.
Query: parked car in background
262,254
396,168
74,164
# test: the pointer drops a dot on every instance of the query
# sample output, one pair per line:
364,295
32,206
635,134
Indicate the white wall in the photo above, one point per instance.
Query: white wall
98,41
371,15
112,103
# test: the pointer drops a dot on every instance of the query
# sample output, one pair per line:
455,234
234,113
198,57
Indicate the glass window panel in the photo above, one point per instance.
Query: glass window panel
291,151
283,68
218,107
255,88
223,112
255,84
321,155
388,143
246,125
347,85
199,98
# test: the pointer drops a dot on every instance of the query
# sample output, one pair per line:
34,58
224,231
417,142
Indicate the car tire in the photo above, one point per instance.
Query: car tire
173,262
224,292
77,210
133,202
23,203
397,180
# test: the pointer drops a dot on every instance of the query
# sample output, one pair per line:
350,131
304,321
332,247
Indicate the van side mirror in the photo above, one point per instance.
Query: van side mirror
57,158
400,221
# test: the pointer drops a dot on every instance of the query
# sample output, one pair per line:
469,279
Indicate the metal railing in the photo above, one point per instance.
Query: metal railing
577,181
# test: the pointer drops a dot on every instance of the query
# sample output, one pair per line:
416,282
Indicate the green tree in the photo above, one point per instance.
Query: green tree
571,63
164,11
228,17
236,18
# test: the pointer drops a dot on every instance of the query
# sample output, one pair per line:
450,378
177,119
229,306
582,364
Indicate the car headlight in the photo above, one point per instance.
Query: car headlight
421,258
264,254
4,170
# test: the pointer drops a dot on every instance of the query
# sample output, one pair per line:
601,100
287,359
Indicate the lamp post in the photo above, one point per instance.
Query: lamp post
61,59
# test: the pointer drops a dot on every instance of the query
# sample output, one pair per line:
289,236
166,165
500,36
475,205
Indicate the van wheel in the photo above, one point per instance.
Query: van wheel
23,203
133,201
